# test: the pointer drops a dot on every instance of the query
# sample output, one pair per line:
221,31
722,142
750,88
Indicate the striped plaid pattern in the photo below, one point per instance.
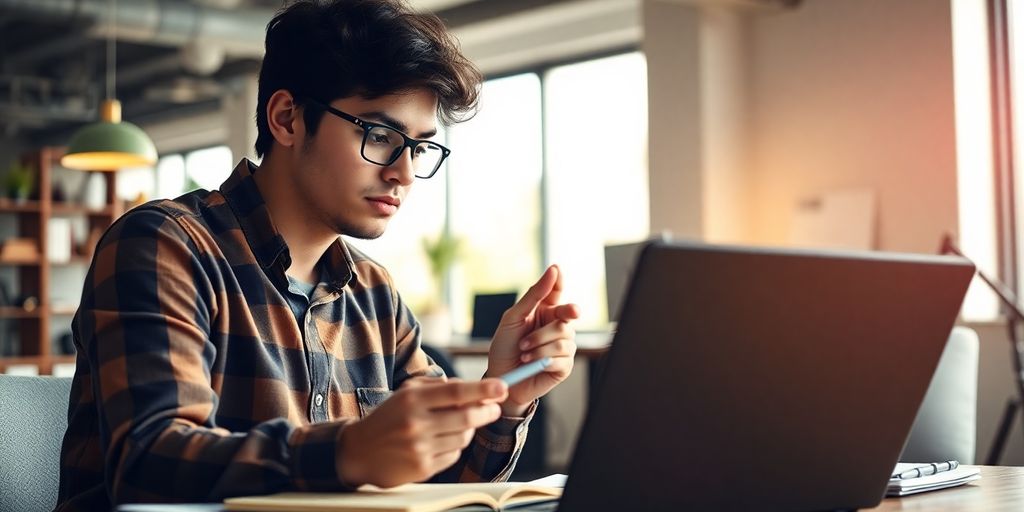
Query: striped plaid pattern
196,381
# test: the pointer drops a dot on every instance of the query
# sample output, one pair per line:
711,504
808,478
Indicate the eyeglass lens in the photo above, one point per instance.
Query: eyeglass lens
383,146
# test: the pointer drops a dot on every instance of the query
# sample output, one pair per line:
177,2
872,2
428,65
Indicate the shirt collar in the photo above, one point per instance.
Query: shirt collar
267,244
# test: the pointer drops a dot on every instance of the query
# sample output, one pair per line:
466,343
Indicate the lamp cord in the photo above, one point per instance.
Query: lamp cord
111,50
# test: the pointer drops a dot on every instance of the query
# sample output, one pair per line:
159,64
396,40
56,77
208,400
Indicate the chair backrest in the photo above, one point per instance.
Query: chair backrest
945,427
33,418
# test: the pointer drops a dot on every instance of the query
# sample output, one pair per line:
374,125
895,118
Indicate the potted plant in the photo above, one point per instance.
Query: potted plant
19,181
435,319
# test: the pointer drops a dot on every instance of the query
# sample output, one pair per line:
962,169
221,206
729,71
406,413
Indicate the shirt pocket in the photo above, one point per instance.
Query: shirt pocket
370,398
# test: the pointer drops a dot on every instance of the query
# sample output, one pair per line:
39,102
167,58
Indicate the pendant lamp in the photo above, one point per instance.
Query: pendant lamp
110,144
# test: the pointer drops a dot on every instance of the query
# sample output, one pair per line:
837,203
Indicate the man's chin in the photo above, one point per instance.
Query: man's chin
361,232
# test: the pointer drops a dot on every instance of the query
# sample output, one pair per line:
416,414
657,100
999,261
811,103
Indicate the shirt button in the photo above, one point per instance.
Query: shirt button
319,400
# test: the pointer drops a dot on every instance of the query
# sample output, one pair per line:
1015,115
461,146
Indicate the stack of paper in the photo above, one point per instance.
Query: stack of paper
953,478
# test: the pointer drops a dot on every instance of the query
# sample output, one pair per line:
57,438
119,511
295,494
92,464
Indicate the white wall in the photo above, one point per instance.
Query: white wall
833,95
855,94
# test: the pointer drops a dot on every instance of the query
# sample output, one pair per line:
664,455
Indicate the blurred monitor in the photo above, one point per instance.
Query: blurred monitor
619,261
487,311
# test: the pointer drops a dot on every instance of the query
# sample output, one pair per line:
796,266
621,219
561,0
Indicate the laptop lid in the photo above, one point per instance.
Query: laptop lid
751,378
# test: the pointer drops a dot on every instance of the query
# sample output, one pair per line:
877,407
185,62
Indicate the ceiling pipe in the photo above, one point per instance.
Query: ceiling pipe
239,31
161,22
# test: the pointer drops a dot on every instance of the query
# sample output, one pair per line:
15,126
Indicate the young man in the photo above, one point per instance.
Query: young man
230,342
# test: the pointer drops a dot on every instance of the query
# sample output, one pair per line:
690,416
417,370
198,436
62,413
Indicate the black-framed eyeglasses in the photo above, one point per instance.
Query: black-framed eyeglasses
382,144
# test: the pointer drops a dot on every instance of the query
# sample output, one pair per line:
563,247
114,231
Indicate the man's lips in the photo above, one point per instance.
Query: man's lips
391,200
384,205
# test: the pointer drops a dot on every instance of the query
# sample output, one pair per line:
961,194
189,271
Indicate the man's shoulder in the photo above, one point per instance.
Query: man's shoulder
162,215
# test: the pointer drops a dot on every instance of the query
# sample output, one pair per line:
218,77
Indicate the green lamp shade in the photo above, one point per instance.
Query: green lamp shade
106,146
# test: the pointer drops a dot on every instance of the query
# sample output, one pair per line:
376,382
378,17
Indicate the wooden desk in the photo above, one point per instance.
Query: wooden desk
1001,489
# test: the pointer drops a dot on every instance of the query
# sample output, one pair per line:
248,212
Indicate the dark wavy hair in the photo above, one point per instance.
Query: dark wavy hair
329,49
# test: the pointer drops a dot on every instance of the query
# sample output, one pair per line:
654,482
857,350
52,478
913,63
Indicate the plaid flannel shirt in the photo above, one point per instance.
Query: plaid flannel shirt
195,381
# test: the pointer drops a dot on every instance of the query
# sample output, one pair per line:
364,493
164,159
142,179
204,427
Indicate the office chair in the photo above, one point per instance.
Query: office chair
441,358
945,426
33,418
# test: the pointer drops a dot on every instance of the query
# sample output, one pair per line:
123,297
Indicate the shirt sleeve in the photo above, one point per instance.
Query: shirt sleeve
492,455
145,324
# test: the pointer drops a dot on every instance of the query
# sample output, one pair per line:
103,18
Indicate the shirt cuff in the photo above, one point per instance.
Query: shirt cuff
315,457
505,434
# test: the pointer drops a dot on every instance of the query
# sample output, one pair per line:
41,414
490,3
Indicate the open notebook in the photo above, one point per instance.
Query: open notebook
405,498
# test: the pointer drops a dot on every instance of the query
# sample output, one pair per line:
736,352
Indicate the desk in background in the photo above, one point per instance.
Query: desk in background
547,449
591,346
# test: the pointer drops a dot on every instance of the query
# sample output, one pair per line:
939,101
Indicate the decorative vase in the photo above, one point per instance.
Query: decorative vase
436,326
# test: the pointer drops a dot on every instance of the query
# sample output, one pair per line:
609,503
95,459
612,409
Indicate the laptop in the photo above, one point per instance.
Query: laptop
619,260
763,379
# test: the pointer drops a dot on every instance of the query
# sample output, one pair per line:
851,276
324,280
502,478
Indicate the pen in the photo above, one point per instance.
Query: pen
927,469
525,371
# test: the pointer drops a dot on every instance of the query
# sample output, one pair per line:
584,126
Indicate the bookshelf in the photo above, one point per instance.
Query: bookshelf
27,340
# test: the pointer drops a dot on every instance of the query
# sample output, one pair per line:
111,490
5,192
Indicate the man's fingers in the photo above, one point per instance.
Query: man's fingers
454,394
546,290
449,421
556,330
445,460
420,381
567,312
454,440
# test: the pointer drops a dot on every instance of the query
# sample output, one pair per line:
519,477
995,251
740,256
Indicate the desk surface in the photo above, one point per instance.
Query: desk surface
1000,489
590,345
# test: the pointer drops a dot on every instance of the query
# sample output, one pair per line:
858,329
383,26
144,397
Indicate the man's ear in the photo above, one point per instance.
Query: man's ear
285,119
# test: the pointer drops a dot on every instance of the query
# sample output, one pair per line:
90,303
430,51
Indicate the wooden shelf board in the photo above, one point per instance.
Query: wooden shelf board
12,312
11,206
77,209
20,263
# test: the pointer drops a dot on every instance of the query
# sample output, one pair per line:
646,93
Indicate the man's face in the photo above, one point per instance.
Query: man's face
348,194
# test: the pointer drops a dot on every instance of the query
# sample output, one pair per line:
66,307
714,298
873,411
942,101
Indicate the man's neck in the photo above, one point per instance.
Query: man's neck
303,231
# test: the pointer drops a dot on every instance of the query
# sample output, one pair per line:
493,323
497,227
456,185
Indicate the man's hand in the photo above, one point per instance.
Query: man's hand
536,327
417,432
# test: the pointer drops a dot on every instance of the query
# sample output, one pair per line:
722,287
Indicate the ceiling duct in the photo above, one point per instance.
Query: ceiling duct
163,22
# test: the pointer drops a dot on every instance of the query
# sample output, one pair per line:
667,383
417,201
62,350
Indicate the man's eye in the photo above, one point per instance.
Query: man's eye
420,150
379,138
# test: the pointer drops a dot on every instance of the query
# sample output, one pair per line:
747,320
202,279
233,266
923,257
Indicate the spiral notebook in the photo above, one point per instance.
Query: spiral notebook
943,480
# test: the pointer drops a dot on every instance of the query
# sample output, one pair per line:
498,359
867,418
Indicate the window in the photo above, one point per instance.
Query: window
596,146
176,173
495,204
552,168
975,185
209,167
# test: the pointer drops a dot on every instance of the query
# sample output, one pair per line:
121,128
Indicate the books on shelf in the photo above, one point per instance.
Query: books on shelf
943,479
25,370
19,250
63,370
405,498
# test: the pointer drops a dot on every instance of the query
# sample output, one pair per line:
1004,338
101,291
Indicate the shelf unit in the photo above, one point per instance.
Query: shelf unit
31,326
